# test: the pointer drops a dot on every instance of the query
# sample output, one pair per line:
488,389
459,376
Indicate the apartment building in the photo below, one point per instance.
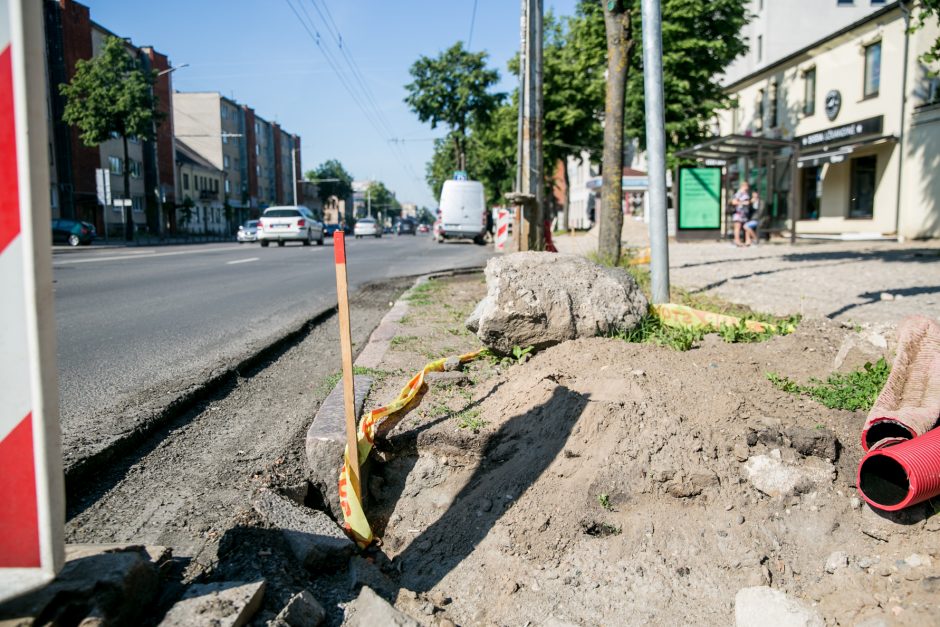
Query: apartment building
256,157
849,131
71,35
202,209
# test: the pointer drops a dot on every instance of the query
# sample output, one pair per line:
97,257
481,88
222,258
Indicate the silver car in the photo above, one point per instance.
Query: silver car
293,223
247,232
367,227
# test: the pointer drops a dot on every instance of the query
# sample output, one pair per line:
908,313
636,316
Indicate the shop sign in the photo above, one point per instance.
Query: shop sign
843,133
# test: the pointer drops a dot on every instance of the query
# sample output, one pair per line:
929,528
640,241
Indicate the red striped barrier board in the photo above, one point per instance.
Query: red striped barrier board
31,487
502,228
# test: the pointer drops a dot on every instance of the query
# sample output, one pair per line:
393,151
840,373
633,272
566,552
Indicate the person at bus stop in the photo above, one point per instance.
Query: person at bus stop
750,227
741,201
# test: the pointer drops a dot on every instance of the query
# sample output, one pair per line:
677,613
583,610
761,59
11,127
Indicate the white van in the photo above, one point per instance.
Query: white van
463,211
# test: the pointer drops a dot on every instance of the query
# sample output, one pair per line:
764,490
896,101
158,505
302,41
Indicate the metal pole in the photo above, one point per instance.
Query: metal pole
536,177
656,148
293,154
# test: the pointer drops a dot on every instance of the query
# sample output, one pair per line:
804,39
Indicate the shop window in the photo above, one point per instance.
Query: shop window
809,209
872,69
862,187
809,91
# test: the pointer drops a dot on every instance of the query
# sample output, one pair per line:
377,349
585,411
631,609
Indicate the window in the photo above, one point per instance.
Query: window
185,181
843,3
114,163
862,187
810,204
228,187
872,69
135,169
809,91
257,149
137,202
224,138
760,48
774,97
226,161
759,123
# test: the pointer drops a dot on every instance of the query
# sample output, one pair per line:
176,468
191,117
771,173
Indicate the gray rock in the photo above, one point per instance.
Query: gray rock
816,442
775,477
762,606
369,610
220,604
362,572
452,364
836,560
541,299
326,442
111,584
316,541
302,610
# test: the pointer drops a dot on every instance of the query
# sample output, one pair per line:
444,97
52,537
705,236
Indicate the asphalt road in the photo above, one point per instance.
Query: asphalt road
134,320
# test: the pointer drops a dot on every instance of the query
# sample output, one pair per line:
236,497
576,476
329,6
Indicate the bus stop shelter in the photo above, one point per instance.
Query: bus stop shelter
772,162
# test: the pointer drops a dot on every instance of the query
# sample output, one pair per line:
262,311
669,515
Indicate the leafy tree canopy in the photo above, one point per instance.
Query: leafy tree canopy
331,169
110,94
928,10
453,89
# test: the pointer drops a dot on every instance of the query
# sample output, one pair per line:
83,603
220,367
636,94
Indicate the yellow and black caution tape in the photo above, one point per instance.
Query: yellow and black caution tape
410,396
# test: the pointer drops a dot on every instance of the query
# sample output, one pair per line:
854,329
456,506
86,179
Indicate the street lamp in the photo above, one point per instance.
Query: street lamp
172,69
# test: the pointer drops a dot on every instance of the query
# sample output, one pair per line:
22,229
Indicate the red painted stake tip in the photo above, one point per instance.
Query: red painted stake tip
339,247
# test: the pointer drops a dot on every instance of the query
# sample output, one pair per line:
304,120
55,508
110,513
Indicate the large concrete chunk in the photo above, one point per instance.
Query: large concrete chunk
303,610
221,604
541,299
326,441
370,610
762,606
316,541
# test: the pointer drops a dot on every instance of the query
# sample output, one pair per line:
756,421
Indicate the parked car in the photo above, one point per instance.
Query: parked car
247,232
406,226
289,223
367,227
424,228
72,232
463,211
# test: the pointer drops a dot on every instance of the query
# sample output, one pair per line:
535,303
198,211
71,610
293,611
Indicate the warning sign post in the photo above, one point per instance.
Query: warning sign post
31,486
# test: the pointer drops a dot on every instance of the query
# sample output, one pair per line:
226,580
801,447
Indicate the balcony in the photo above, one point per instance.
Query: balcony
205,194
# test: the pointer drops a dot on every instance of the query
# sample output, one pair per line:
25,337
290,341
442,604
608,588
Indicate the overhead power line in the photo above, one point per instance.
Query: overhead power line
473,19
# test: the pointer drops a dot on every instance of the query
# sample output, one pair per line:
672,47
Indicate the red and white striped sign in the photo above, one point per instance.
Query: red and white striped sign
31,499
502,228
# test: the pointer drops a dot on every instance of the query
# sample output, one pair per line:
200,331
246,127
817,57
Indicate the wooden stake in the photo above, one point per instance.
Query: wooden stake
345,342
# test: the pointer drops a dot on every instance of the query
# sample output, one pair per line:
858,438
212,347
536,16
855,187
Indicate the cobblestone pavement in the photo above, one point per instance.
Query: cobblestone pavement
860,282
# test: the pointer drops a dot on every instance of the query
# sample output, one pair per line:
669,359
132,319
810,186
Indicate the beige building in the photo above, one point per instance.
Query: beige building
848,129
201,209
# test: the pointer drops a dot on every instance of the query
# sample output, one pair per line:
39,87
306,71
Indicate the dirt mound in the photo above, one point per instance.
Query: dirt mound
616,483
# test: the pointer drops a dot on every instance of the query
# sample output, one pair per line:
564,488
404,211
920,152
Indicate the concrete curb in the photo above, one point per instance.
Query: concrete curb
326,435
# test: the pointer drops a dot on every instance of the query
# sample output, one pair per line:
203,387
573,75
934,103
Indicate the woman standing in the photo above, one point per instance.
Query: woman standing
741,202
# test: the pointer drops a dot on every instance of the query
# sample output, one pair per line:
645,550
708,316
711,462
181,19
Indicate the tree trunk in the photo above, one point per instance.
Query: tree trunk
619,48
128,209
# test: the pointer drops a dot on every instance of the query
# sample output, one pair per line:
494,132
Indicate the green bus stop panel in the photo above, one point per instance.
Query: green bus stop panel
700,198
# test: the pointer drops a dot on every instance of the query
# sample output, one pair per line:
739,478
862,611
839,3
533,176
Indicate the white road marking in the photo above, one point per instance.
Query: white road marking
231,263
133,255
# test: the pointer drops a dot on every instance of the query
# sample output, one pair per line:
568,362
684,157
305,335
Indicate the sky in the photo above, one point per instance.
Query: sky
260,54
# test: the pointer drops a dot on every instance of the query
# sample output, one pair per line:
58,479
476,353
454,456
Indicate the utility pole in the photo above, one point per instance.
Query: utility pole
656,148
369,199
531,191
293,154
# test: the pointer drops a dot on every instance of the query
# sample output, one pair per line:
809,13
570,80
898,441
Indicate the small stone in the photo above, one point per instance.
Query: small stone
865,563
836,560
452,364
741,452
511,587
369,609
740,519
638,373
855,502
887,296
486,505
428,608
438,598
914,560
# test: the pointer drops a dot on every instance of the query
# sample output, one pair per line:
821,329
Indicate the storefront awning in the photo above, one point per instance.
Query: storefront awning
837,154
734,146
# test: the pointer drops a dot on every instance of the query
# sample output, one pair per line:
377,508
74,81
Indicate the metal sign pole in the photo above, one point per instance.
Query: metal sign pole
656,148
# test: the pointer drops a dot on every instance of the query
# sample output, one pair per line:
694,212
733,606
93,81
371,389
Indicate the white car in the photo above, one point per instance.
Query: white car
367,227
247,232
294,223
463,211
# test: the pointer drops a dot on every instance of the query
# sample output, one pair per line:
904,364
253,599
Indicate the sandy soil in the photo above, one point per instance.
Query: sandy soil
608,483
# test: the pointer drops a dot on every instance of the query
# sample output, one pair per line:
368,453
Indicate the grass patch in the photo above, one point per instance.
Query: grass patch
330,382
423,295
470,419
403,340
651,330
853,391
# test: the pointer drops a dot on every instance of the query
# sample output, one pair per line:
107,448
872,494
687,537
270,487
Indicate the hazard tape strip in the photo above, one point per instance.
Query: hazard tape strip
387,417
684,316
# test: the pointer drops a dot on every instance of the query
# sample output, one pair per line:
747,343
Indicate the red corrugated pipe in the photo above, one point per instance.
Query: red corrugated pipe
894,477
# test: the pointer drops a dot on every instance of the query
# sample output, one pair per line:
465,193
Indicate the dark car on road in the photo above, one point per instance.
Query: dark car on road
72,232
406,226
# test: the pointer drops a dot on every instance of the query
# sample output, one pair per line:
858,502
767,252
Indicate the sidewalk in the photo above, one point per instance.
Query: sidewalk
861,282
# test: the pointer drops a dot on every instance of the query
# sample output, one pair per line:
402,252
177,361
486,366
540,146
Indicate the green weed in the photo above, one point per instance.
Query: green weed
470,419
854,391
423,295
651,330
403,340
604,500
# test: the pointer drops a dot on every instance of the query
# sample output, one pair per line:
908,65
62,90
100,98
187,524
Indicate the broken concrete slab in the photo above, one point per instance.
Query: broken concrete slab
326,442
541,299
315,540
762,606
113,584
773,476
302,610
219,604
369,609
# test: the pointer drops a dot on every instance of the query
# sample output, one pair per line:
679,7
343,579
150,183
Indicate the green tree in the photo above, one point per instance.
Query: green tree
927,10
453,89
110,95
326,189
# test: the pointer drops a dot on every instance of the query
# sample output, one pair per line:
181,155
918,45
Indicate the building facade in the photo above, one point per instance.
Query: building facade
71,36
860,116
256,157
201,209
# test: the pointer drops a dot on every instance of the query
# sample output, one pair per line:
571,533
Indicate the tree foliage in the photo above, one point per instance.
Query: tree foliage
109,95
453,89
928,10
382,200
331,169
